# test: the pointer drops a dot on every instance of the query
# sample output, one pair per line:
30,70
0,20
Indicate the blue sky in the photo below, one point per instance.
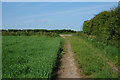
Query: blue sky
50,15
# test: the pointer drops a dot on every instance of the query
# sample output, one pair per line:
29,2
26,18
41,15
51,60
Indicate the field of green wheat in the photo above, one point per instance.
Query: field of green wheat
29,57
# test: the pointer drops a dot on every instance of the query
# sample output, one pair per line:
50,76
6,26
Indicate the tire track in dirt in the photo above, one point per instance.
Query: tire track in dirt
68,68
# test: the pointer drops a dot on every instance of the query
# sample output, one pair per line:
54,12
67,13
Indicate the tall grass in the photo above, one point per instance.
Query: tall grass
107,50
89,62
29,57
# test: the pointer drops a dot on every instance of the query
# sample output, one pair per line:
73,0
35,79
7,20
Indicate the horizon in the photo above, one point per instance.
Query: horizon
51,15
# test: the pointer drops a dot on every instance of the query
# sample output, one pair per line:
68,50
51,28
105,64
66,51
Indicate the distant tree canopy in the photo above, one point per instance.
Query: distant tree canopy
105,25
32,32
39,30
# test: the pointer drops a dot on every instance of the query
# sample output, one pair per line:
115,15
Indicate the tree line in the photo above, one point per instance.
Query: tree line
33,32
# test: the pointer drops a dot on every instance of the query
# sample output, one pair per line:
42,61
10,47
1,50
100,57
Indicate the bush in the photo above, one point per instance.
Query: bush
105,26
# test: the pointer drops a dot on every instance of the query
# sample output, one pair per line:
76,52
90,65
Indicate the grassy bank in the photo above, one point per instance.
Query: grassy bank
90,62
109,51
29,57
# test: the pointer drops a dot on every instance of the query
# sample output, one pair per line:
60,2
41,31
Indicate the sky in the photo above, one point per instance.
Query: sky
50,15
60,0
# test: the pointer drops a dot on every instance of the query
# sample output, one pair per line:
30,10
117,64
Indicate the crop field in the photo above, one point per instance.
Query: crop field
89,61
29,57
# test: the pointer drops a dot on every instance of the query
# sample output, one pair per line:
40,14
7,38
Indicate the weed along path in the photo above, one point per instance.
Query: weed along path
103,57
68,68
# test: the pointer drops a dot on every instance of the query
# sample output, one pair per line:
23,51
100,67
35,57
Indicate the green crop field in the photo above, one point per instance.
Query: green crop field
89,61
29,57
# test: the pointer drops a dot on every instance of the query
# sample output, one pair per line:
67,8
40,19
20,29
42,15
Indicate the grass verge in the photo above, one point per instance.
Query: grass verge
109,51
88,61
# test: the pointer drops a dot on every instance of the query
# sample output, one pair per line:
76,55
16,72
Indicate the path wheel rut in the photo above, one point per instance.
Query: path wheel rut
68,68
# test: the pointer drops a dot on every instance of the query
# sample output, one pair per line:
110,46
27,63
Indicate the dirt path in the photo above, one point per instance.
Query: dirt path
68,68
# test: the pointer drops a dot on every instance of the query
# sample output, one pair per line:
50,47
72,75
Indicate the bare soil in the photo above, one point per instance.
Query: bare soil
68,68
